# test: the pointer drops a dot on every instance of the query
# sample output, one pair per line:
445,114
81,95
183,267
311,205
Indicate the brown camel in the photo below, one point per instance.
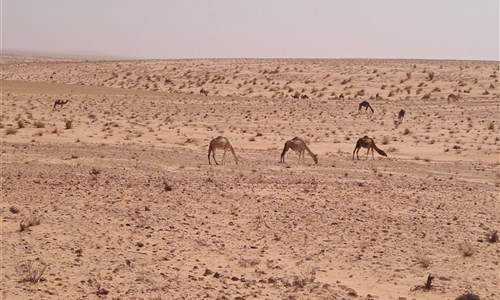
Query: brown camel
60,103
204,92
401,116
366,105
367,142
220,142
298,145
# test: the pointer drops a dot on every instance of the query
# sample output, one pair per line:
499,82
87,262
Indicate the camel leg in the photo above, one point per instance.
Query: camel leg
224,156
213,155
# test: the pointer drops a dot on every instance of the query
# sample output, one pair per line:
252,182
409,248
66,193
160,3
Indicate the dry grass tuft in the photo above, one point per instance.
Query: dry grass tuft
31,271
466,249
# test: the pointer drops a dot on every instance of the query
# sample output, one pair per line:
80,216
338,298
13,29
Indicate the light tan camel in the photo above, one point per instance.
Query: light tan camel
367,142
220,142
204,92
59,102
298,145
452,97
366,105
401,116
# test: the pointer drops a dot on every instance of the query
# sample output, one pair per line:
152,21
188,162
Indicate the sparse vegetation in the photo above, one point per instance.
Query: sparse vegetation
68,124
32,220
39,124
10,130
31,271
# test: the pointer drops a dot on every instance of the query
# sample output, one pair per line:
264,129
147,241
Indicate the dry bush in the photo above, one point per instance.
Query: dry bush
424,261
68,124
491,126
430,75
466,249
39,124
10,130
31,271
468,296
406,131
30,221
385,140
21,123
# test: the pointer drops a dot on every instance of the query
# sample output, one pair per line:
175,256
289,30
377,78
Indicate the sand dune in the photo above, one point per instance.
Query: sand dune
129,207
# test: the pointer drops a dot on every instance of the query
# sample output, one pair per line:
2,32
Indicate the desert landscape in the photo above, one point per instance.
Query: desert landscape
111,195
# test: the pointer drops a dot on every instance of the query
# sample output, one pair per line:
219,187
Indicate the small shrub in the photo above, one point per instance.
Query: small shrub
68,123
30,221
430,76
30,271
39,124
466,249
10,130
21,123
406,131
385,140
468,296
424,262
491,126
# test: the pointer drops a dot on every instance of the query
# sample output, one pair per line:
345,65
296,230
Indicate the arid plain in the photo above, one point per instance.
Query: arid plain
113,191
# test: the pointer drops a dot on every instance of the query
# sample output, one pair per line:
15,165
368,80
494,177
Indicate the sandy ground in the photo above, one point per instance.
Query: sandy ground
129,207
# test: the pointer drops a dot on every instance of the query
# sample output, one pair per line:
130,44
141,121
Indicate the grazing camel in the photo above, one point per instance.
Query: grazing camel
298,145
220,142
366,105
366,142
204,92
59,102
341,97
452,97
304,97
401,116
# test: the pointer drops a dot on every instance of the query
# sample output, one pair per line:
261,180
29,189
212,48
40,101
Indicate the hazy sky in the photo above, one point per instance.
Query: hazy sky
440,29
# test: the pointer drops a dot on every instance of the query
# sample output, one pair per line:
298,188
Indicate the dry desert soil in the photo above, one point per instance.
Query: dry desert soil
112,195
